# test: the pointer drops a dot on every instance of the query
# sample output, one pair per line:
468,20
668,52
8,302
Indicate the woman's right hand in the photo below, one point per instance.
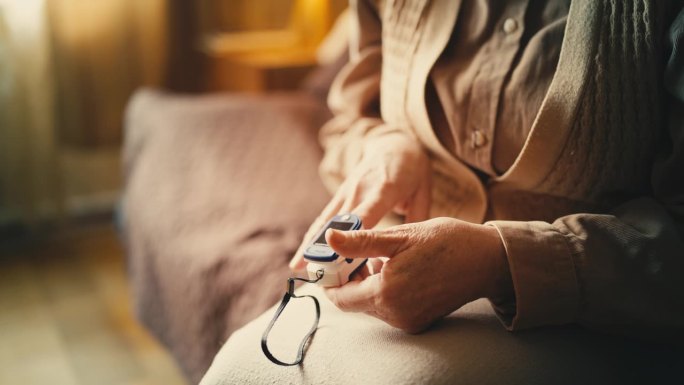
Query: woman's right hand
393,175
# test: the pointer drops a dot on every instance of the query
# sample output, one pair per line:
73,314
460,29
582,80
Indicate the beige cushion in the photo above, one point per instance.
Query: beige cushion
468,347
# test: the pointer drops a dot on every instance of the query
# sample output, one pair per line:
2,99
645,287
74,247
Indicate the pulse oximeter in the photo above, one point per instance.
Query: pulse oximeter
320,256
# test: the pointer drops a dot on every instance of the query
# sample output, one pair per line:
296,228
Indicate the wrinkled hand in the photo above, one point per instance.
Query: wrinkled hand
434,268
394,175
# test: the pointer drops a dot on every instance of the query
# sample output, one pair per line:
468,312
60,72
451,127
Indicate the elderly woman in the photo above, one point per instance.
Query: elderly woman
548,137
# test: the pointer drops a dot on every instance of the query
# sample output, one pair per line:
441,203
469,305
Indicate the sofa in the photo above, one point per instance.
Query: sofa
219,190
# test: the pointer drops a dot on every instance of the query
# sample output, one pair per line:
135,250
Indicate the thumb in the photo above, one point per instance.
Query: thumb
365,243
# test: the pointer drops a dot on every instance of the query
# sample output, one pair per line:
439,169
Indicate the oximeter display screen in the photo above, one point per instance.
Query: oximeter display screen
334,225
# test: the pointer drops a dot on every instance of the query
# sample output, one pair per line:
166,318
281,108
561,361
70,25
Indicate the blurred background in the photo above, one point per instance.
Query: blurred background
67,71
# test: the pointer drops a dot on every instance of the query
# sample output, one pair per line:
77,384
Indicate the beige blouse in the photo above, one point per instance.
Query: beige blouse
492,78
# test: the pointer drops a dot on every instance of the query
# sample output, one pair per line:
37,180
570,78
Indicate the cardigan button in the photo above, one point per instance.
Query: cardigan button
509,26
478,139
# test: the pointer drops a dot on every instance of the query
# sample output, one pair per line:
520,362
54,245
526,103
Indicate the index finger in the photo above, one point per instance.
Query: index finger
372,209
332,207
355,296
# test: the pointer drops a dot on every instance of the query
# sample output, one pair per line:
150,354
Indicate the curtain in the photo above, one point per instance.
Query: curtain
102,51
67,69
29,183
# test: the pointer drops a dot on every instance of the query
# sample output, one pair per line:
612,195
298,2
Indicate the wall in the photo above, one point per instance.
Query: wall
68,67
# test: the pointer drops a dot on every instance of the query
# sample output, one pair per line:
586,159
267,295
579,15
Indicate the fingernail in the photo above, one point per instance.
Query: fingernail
330,233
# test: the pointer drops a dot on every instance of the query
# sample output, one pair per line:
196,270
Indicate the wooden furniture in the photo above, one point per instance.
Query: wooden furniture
262,70
256,45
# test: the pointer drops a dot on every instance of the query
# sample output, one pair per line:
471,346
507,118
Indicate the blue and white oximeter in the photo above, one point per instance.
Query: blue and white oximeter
320,256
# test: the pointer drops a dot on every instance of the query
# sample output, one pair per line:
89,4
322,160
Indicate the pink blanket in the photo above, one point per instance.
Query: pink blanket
220,190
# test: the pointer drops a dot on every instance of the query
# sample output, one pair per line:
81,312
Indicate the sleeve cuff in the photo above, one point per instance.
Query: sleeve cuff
543,274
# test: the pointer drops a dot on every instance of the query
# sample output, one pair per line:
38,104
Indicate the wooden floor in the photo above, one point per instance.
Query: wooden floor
66,318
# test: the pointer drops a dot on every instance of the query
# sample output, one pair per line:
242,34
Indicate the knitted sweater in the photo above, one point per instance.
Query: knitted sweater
592,211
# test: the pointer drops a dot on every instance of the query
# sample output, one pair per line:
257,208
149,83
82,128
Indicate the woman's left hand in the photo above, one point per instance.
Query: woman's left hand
434,268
